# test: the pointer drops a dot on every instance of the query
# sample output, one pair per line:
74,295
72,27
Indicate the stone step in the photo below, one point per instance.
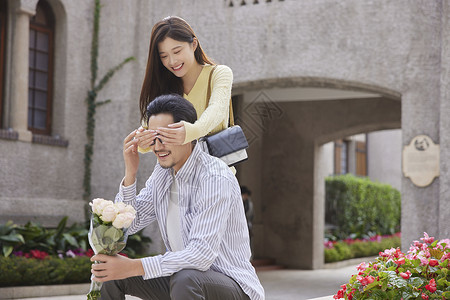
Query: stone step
266,264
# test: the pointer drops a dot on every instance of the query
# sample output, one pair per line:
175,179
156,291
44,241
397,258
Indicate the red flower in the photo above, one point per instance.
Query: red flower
431,286
365,280
339,295
405,275
433,262
89,253
425,297
400,261
36,254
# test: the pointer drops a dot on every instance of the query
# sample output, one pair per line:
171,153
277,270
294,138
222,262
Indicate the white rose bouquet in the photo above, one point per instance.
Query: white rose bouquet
107,233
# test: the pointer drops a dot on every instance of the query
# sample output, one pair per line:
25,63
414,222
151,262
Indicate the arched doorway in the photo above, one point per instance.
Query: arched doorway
287,123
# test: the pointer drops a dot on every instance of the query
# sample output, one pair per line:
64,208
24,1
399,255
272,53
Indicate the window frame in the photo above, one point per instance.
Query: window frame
3,16
48,29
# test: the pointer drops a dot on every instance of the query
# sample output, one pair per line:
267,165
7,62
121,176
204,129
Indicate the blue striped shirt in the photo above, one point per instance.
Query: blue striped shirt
214,229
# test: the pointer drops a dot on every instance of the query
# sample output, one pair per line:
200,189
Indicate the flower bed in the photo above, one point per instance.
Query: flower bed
21,271
353,248
422,273
34,255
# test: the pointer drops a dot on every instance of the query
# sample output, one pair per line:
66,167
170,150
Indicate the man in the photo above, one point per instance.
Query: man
196,201
248,208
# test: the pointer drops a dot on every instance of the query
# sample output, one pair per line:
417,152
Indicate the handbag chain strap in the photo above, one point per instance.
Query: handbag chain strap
208,95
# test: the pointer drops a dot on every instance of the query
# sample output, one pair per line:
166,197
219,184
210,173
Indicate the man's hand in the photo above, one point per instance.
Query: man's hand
115,267
131,158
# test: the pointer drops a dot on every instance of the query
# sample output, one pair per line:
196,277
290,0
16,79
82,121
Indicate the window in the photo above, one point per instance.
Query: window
340,157
361,159
2,54
41,70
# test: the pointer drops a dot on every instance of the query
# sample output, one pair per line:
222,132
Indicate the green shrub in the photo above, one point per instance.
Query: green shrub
19,271
331,255
353,249
360,207
54,241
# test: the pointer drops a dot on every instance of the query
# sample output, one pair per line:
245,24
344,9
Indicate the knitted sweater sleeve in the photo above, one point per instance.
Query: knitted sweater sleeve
217,110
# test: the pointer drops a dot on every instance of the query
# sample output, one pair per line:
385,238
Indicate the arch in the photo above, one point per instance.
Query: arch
288,159
310,81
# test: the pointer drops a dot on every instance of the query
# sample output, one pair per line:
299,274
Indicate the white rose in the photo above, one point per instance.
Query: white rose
123,220
130,209
95,203
109,213
121,207
99,204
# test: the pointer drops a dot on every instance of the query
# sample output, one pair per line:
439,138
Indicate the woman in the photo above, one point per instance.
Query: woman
177,64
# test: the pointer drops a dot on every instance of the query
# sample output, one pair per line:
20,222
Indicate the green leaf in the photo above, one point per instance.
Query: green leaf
390,264
111,72
397,281
379,295
416,282
13,238
7,249
407,295
61,226
70,239
113,233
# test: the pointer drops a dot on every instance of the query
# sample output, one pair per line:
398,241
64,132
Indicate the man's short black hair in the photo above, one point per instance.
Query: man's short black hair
180,108
245,190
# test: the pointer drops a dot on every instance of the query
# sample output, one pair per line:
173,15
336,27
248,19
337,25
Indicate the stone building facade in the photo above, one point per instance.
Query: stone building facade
305,73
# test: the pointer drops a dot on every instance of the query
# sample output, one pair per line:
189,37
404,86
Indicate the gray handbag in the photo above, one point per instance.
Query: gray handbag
229,144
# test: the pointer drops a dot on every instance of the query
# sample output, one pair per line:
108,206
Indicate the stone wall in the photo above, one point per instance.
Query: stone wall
398,50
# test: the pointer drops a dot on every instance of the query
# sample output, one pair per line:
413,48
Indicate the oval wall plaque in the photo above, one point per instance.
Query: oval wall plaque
420,161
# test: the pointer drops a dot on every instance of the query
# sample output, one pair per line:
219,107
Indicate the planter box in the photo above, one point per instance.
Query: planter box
43,290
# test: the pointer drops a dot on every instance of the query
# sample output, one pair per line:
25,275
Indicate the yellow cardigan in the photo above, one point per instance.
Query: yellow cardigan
213,118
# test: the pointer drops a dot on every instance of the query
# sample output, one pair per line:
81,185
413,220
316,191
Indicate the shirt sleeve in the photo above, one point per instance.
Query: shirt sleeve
142,203
207,231
217,110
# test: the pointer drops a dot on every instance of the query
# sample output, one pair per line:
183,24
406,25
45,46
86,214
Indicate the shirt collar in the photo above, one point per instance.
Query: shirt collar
189,166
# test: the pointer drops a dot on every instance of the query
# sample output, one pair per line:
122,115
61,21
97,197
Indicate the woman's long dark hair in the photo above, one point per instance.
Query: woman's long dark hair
158,80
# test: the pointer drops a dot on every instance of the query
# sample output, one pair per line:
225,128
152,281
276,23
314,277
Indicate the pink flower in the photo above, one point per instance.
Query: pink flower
70,253
425,297
444,241
431,286
446,256
405,275
427,239
423,261
362,266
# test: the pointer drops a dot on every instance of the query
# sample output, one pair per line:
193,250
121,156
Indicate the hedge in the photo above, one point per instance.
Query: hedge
20,271
343,250
359,207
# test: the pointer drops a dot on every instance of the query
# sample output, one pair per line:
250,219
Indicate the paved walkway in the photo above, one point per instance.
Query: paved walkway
283,284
